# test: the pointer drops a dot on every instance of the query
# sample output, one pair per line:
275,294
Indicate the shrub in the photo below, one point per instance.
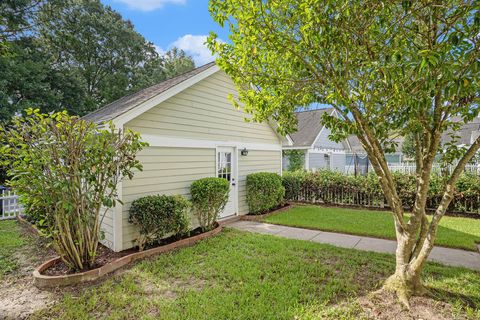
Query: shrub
209,197
328,186
264,191
296,159
159,215
293,184
68,170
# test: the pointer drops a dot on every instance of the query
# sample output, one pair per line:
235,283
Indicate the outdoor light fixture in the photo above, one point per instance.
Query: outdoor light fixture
244,152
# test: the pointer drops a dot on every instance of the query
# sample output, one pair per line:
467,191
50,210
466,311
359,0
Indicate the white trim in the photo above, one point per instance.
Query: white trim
161,141
307,160
331,151
118,221
154,101
289,139
295,148
234,174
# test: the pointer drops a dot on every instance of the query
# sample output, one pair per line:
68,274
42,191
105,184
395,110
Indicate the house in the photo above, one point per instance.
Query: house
312,140
320,152
193,132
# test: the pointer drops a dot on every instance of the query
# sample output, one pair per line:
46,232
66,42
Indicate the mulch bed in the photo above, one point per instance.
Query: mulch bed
105,255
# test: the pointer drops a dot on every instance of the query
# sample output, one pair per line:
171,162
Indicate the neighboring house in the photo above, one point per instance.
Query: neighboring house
320,152
193,132
311,138
465,135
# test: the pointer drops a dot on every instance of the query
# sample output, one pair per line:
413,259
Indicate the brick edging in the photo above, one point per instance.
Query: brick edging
45,281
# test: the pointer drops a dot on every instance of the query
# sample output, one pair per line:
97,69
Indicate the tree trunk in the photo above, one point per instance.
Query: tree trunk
406,281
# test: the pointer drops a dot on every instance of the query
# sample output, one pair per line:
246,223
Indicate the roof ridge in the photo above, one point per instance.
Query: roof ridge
312,110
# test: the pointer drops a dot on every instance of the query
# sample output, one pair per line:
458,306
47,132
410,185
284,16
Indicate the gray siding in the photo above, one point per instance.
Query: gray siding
324,142
317,161
337,161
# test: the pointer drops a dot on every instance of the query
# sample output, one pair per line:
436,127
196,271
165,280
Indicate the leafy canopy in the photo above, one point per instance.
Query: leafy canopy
74,55
402,65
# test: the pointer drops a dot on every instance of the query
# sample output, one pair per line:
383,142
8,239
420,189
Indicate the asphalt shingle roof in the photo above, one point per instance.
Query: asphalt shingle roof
308,127
122,105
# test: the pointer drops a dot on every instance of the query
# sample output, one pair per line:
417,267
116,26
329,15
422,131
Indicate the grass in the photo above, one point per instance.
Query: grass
241,275
454,232
10,241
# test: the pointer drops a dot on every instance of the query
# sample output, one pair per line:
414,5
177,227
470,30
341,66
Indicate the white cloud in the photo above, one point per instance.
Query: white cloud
149,5
159,50
195,47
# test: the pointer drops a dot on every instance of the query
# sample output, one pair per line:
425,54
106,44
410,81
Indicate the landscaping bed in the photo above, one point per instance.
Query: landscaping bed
454,232
241,275
54,273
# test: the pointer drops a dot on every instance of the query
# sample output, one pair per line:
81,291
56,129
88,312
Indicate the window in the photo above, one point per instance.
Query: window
326,157
224,165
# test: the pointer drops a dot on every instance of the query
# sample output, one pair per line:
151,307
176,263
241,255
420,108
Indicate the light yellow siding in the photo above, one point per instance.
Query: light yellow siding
107,228
256,161
203,111
158,177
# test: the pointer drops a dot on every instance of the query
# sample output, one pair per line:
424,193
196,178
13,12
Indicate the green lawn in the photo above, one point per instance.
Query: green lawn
453,232
241,275
10,241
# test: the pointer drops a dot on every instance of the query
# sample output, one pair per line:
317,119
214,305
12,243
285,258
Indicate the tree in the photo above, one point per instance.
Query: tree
94,41
70,169
296,159
173,63
388,67
29,81
74,55
408,147
15,19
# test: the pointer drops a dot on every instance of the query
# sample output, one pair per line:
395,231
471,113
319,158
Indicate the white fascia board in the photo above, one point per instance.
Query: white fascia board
153,102
161,141
333,151
295,148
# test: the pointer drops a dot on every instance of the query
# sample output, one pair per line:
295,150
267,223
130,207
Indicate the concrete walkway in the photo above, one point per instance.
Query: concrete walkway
451,257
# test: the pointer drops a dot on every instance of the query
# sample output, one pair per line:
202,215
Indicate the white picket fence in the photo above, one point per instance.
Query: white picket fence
409,168
10,206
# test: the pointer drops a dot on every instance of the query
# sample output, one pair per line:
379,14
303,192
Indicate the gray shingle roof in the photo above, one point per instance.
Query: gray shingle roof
308,127
122,105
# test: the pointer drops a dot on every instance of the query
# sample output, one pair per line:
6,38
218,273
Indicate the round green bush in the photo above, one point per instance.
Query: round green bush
209,197
159,215
264,192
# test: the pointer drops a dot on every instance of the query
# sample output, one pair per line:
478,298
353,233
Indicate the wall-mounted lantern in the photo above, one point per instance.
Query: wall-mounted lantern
244,152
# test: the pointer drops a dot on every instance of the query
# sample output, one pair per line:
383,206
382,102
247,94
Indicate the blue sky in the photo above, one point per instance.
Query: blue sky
166,23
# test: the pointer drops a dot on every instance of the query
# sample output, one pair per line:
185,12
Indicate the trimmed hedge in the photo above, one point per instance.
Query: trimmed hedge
209,197
264,192
327,186
159,215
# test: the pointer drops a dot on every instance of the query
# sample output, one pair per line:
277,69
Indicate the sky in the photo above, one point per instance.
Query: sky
167,23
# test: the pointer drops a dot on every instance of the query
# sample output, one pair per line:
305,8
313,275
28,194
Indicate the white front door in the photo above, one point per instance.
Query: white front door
227,169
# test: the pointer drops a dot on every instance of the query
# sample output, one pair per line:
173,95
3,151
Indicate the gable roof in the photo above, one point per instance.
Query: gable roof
127,103
309,125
